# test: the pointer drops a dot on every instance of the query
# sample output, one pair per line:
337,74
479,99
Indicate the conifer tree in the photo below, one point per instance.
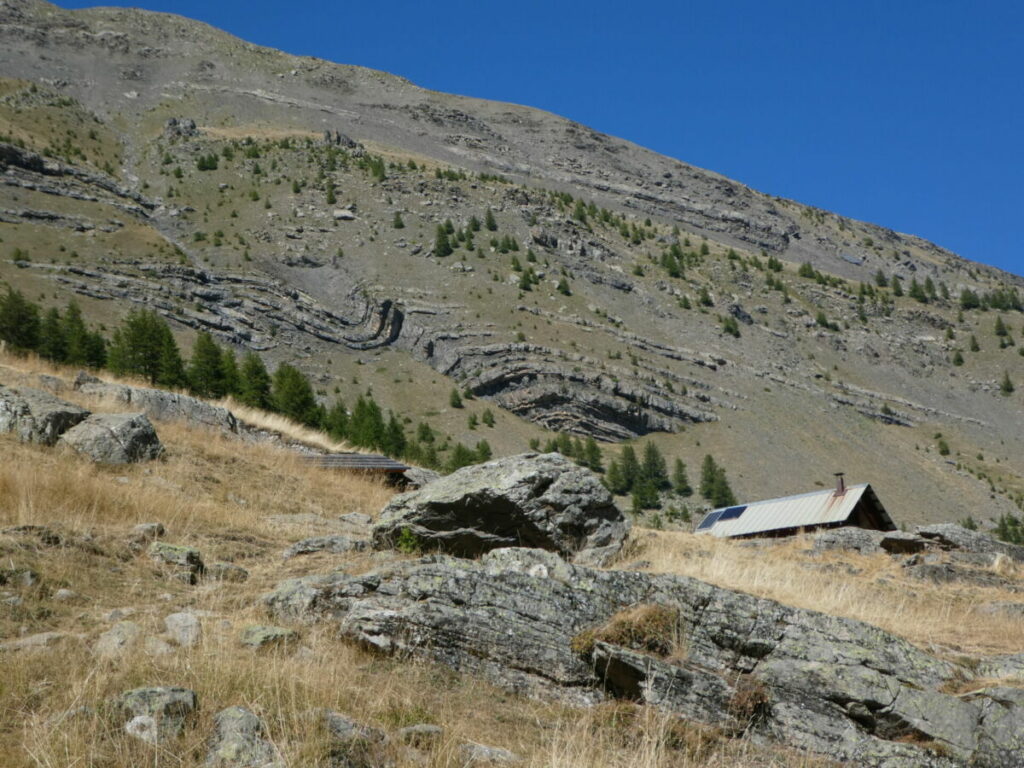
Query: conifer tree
144,346
614,480
630,467
394,442
455,399
19,321
292,396
721,494
653,470
1006,386
680,482
483,451
84,347
254,383
488,417
205,368
52,342
442,247
229,367
489,221
708,471
366,427
591,457
461,456
336,421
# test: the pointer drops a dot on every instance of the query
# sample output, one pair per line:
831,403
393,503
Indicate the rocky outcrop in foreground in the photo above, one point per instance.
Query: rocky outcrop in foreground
544,501
36,416
115,438
534,623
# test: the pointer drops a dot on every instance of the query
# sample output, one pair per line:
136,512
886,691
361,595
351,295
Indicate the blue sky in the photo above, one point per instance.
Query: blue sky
907,113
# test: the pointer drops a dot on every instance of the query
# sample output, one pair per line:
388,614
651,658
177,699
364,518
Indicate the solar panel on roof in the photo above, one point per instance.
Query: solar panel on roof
710,520
732,512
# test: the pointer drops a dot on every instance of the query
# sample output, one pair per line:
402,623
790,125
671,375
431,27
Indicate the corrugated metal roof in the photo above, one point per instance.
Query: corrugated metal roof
364,461
805,510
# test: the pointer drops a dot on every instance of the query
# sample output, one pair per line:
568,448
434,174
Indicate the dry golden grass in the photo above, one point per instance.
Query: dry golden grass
244,503
868,588
275,422
217,494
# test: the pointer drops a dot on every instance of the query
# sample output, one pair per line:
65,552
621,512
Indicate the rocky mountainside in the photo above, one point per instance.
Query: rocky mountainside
185,592
291,206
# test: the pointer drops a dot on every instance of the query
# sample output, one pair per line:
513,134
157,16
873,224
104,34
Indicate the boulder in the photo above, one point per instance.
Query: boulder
118,640
186,562
145,532
351,744
36,416
481,754
239,741
226,572
851,538
184,629
158,713
532,500
115,438
530,621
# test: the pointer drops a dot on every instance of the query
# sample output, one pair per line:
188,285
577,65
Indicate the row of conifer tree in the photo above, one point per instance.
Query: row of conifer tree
144,347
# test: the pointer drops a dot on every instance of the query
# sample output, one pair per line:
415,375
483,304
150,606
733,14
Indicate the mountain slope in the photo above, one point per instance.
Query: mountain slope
289,247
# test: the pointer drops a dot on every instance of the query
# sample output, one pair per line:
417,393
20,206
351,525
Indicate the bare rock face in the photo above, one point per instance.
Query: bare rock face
160,404
955,537
532,622
544,501
37,416
115,438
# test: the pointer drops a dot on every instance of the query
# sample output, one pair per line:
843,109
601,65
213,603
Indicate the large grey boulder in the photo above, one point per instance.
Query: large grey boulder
160,404
239,741
531,500
36,416
158,713
532,622
115,438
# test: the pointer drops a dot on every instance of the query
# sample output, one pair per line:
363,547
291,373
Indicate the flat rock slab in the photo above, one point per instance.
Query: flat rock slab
332,544
36,416
115,438
159,404
530,621
532,500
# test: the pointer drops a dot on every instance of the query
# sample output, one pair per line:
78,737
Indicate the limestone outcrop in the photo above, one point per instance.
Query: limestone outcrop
529,621
533,500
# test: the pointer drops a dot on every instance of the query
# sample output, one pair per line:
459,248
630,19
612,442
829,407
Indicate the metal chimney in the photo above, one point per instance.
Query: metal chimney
840,484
